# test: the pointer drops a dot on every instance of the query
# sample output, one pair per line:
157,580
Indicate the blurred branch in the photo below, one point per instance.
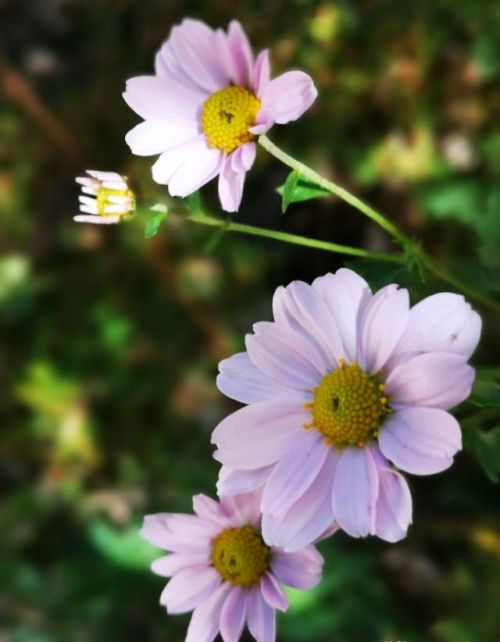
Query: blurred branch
18,91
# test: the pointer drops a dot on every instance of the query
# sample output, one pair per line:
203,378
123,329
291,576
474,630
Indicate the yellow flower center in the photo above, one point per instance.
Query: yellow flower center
240,555
348,407
226,117
105,197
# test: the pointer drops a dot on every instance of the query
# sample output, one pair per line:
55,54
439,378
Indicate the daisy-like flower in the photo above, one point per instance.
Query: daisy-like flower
342,387
222,569
106,198
205,105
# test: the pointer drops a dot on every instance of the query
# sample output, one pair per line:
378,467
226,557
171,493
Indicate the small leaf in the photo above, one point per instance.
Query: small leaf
485,394
155,220
296,189
486,445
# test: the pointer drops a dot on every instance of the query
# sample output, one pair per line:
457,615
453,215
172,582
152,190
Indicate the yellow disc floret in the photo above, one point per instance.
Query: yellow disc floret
348,407
226,117
240,555
108,199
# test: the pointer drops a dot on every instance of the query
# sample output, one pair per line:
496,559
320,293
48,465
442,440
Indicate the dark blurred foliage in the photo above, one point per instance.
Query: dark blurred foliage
110,342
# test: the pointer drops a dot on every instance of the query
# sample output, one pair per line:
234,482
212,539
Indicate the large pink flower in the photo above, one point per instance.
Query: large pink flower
343,386
206,104
221,568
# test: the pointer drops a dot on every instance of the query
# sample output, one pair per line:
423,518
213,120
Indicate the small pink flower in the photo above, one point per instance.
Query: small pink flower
105,199
205,106
222,570
343,385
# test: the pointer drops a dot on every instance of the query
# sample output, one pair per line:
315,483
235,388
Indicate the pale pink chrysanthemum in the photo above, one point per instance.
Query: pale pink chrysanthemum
205,105
343,387
105,199
222,570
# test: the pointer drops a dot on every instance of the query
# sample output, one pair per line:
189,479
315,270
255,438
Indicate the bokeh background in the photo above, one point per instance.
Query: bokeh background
110,341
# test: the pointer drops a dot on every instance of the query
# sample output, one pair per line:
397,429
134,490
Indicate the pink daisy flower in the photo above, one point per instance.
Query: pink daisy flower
222,570
343,387
205,105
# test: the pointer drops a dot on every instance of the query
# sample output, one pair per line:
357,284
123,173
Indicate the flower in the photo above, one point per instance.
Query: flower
341,387
222,569
206,104
106,198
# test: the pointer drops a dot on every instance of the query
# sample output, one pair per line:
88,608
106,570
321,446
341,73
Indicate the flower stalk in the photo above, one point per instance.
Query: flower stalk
411,247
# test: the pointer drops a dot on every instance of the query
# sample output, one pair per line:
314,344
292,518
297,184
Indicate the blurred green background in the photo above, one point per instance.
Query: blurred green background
110,342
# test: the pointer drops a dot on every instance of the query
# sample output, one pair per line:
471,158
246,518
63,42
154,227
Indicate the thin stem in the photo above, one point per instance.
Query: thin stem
377,217
205,219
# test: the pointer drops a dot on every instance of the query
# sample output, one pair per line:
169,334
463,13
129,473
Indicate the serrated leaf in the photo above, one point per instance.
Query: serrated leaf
154,222
296,189
485,394
486,445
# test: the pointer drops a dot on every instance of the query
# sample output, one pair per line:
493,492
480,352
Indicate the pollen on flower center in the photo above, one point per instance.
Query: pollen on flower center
106,198
240,555
348,407
226,117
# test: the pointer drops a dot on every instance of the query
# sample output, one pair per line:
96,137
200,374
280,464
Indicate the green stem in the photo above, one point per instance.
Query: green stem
205,219
377,217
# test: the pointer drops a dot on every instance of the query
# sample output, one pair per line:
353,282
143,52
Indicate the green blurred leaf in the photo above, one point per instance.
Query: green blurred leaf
125,548
296,189
486,445
155,220
455,199
485,394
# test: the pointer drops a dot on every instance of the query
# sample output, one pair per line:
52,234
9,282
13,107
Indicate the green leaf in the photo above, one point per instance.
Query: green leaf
485,394
125,548
296,188
155,220
486,445
454,199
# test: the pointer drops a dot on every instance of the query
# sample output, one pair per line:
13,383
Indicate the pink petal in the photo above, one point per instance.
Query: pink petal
233,615
309,516
421,441
436,379
300,306
301,569
273,593
240,380
156,98
172,159
235,482
189,588
281,358
243,509
230,187
288,96
260,617
241,54
243,158
394,504
346,295
355,491
261,74
443,322
294,473
193,45
153,137
204,624
258,435
204,164
209,510
382,324
171,564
